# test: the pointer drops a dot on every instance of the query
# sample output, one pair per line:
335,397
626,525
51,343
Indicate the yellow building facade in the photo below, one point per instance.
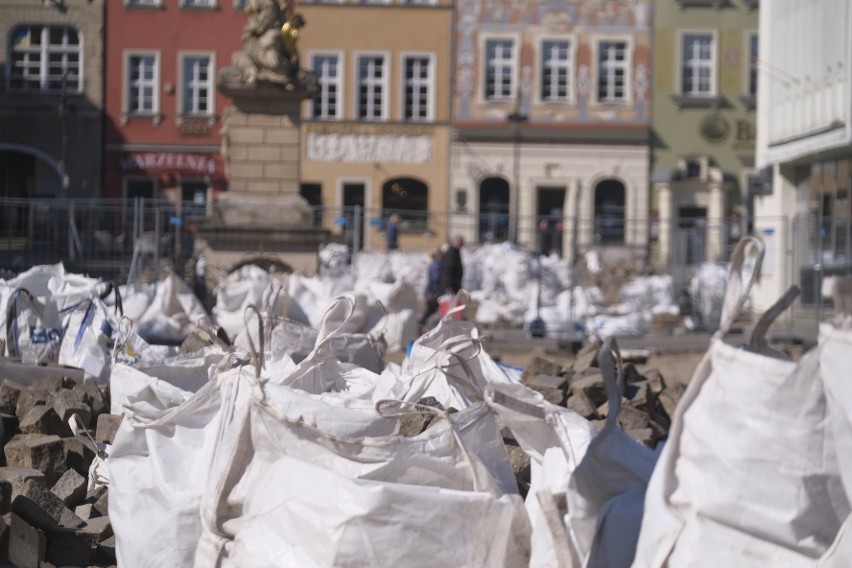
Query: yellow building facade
377,139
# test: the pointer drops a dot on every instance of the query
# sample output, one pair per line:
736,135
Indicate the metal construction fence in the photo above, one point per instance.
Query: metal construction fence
122,240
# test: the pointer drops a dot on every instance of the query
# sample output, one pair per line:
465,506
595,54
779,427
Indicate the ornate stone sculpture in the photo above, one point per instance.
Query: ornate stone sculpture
270,53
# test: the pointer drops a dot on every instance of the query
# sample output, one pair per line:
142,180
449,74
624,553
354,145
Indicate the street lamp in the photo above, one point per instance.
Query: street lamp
63,115
516,118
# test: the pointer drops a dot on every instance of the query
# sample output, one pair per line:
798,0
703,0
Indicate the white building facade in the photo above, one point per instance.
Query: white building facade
803,208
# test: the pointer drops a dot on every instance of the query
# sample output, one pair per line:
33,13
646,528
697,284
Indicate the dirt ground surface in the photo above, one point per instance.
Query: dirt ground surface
675,361
673,366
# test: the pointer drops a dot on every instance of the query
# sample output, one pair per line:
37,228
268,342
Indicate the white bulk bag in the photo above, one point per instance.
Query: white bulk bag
393,307
243,288
447,375
835,344
162,311
556,439
366,350
168,382
292,338
298,514
93,341
310,298
54,290
606,492
448,455
456,333
748,475
158,467
33,328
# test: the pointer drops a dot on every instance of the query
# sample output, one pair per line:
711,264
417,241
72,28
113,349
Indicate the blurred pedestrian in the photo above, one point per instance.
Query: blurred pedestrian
452,270
392,232
200,280
433,287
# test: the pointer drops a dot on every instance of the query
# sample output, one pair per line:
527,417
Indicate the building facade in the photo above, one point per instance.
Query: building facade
378,136
703,127
803,210
51,98
163,111
551,114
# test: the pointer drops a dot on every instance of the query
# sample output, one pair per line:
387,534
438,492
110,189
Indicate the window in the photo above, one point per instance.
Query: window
698,65
45,58
372,87
408,198
555,71
499,69
193,194
139,187
135,3
417,88
198,3
142,84
312,193
494,209
751,62
612,72
327,68
240,4
196,85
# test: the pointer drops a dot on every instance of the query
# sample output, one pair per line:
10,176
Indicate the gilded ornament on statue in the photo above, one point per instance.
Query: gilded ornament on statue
270,52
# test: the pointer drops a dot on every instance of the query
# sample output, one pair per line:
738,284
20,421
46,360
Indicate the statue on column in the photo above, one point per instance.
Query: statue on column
270,52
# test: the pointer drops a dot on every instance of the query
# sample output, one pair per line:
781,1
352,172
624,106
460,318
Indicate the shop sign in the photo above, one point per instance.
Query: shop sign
166,161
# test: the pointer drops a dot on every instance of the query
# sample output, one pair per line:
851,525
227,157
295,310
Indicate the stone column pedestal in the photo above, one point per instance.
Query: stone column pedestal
262,213
715,222
666,209
261,149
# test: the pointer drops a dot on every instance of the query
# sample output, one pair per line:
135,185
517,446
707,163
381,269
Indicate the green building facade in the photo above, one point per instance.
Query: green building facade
702,128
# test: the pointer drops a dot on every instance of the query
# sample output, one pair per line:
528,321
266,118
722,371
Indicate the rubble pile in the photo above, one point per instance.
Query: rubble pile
52,514
648,400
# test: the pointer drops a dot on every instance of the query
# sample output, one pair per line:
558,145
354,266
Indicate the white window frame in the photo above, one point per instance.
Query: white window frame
430,85
384,84
339,82
748,63
570,96
714,62
211,84
514,64
199,4
628,70
126,112
240,5
143,3
44,51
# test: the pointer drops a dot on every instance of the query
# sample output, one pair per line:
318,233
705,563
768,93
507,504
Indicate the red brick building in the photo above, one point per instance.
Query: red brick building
163,111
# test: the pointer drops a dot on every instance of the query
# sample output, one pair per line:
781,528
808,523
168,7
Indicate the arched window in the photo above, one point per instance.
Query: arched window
609,212
408,198
45,58
493,209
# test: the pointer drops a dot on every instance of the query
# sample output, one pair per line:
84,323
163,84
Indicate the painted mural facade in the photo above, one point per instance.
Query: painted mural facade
551,115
